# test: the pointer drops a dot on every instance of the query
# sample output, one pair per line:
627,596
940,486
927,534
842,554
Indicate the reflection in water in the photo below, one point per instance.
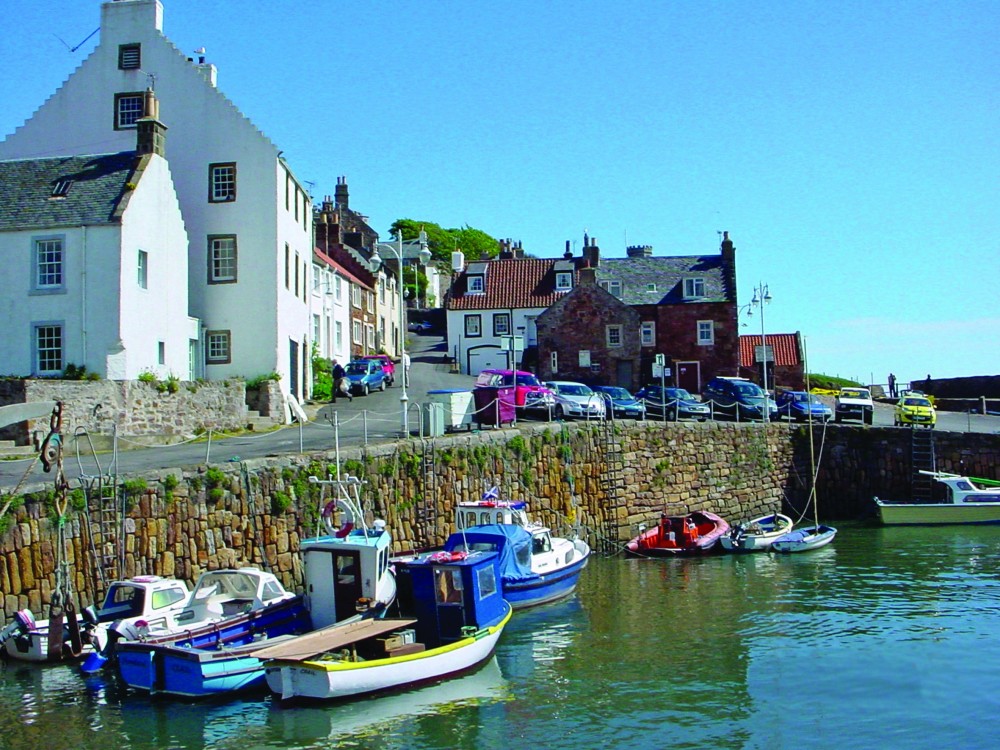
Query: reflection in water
886,638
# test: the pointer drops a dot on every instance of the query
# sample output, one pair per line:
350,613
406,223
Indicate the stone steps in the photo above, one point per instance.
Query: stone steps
256,423
9,450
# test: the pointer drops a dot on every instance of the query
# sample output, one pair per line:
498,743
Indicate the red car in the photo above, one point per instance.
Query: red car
388,366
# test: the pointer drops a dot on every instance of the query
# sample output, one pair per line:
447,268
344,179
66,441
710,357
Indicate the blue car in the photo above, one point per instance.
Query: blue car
799,405
673,403
365,375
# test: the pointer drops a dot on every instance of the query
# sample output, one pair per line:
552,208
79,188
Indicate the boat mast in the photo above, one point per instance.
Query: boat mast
812,449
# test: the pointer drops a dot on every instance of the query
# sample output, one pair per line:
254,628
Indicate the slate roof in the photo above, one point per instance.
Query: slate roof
666,274
784,345
511,283
97,186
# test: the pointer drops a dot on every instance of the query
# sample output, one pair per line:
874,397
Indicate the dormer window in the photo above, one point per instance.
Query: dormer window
614,286
61,188
477,285
564,281
694,288
650,287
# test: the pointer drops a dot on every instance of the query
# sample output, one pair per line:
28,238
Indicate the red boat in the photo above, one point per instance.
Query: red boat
693,534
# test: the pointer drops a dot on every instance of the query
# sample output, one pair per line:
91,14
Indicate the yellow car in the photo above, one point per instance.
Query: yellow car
915,410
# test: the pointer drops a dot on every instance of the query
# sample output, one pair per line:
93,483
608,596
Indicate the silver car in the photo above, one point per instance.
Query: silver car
576,400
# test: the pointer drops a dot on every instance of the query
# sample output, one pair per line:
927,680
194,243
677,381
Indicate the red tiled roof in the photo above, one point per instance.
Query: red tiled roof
784,345
325,259
511,283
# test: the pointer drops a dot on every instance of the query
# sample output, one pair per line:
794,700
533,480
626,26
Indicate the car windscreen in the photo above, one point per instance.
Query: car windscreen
748,389
619,393
574,390
357,368
680,394
521,380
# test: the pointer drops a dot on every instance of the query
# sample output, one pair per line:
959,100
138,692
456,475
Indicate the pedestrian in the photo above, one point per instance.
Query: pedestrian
339,385
892,385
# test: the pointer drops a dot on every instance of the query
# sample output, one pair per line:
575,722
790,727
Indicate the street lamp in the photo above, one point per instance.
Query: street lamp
761,298
375,263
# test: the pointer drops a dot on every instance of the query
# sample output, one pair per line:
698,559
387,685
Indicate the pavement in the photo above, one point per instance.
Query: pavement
376,418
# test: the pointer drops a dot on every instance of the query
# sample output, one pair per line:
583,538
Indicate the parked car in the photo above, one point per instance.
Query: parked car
675,403
388,366
620,402
420,326
739,398
915,410
365,375
529,394
854,403
575,400
801,406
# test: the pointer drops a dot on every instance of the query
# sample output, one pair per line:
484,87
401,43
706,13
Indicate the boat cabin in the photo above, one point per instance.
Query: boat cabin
141,596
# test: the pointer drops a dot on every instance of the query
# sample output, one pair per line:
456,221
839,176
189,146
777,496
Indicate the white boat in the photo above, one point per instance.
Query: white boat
451,617
756,535
965,502
808,538
535,566
804,539
139,599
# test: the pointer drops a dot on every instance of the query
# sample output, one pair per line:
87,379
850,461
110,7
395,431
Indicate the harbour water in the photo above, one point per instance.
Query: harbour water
888,638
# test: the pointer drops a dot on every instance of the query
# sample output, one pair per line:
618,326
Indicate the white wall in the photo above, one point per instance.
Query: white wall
520,326
203,127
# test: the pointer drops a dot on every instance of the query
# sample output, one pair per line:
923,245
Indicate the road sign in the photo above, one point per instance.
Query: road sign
660,359
512,343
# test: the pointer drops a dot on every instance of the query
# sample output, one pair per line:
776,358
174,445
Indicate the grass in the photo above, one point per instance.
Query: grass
830,383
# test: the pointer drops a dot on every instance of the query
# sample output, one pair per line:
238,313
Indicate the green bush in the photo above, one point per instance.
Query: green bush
258,381
147,377
280,502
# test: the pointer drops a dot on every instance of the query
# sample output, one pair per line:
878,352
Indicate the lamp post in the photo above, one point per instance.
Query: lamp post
376,262
761,298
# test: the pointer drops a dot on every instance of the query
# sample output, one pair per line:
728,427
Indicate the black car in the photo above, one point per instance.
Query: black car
620,402
738,398
676,403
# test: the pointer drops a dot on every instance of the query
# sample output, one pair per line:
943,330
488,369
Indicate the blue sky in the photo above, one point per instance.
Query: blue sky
852,150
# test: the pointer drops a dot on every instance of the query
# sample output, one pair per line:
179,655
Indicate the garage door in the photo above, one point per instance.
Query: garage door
486,358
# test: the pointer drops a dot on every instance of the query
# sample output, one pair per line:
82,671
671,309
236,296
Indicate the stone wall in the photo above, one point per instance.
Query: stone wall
605,480
139,409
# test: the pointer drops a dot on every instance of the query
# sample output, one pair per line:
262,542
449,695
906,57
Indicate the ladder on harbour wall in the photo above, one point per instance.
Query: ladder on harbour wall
611,480
426,512
105,515
922,458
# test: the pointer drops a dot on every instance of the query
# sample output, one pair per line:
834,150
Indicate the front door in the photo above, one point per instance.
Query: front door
689,376
293,367
623,374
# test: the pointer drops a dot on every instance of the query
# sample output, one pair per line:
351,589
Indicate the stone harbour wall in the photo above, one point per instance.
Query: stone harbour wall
138,409
603,480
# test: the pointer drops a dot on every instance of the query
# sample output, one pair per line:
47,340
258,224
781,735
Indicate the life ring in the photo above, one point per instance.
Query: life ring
446,557
347,523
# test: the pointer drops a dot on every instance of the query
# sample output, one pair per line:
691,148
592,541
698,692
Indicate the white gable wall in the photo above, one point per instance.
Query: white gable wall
152,222
204,127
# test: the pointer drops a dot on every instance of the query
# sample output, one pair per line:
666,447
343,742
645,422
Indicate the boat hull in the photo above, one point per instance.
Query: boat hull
937,514
34,645
804,540
170,664
656,542
757,542
330,680
545,588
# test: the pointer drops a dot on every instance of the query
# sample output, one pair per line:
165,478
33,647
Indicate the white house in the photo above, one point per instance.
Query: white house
95,258
331,311
248,218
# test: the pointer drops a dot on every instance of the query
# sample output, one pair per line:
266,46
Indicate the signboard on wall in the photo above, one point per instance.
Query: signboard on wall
585,358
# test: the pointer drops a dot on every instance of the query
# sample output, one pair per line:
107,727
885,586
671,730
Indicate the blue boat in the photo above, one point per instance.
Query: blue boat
347,578
535,567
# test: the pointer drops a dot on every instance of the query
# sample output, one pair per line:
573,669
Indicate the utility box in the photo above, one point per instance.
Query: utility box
458,407
433,420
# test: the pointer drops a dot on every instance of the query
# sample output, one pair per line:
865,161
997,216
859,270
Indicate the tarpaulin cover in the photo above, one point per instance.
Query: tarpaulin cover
511,543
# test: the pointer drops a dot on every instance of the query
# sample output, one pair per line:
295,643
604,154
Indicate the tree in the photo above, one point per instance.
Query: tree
443,242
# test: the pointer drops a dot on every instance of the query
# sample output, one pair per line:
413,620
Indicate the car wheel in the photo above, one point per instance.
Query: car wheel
869,418
558,412
364,389
381,386
837,419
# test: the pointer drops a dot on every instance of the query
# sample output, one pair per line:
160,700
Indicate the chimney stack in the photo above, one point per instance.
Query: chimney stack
340,195
639,251
151,134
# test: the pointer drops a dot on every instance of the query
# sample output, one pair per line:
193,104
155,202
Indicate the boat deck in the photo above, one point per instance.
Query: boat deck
330,639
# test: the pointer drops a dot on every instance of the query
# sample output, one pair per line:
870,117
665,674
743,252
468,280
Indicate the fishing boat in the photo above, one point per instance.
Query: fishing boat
535,566
756,535
967,500
450,614
693,534
347,579
139,599
806,539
